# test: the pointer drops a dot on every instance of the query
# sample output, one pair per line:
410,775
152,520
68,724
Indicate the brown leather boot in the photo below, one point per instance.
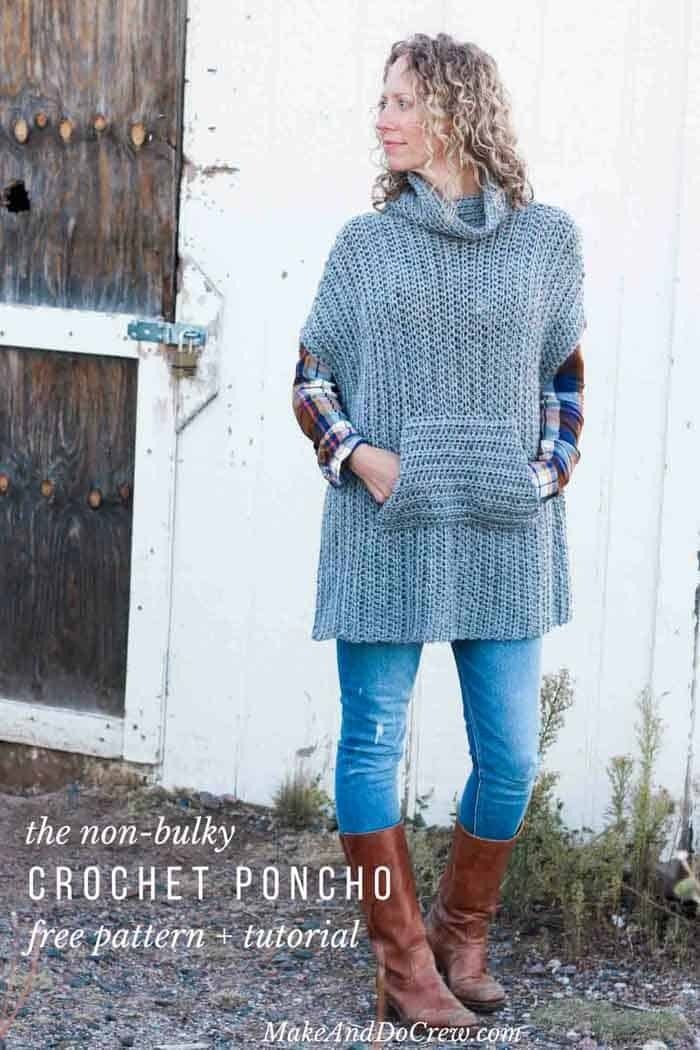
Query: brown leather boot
407,977
458,921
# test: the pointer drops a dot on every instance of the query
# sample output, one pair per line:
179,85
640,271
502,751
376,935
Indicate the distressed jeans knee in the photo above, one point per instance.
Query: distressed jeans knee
376,681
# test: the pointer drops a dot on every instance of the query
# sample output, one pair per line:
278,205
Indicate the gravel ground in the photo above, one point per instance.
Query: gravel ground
220,993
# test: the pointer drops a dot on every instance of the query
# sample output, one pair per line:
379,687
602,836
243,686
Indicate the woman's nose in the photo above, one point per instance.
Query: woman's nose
385,122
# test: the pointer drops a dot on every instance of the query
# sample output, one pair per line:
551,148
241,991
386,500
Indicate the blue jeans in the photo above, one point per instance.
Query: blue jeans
500,687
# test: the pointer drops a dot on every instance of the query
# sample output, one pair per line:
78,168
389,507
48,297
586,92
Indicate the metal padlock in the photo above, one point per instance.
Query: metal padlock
184,362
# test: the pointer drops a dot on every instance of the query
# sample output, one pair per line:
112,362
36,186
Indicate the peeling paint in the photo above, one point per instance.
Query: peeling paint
379,733
219,169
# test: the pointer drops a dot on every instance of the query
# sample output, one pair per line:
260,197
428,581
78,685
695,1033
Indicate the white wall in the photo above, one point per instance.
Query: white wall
606,101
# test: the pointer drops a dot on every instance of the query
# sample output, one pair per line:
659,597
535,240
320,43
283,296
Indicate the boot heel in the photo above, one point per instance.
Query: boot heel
392,1013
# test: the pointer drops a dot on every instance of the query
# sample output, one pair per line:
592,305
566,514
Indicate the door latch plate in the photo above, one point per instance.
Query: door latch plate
185,341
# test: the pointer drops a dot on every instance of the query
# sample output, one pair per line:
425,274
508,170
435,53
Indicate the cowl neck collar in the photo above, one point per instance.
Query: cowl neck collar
469,218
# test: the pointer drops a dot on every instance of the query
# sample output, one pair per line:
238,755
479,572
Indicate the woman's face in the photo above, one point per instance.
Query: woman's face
397,124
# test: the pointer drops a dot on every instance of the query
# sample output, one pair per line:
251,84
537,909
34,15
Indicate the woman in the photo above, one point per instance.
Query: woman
440,378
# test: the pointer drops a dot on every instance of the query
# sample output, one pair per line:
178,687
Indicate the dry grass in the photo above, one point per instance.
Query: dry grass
607,1021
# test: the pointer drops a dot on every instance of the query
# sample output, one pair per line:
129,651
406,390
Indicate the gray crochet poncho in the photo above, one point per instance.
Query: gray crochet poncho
440,328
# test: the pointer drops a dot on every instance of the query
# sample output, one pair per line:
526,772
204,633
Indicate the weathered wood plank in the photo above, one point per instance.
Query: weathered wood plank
67,429
90,132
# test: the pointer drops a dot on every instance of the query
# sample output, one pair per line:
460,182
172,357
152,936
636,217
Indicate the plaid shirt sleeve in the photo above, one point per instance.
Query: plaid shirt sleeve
319,413
562,422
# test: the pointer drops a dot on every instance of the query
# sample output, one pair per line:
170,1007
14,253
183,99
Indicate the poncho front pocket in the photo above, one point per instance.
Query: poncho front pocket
461,469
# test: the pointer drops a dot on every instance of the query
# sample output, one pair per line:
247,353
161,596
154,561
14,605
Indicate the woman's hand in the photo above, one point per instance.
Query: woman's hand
378,468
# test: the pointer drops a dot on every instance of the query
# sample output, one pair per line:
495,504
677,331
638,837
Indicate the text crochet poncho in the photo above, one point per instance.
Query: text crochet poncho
440,328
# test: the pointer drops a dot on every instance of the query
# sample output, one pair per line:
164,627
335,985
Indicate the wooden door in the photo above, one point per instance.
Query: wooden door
90,120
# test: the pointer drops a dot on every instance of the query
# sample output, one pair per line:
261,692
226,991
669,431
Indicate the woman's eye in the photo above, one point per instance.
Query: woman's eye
403,103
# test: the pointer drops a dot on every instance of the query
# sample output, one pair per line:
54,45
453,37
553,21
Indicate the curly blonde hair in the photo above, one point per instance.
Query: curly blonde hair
460,82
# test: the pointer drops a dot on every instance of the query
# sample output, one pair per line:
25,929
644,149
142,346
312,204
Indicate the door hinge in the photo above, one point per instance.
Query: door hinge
184,341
